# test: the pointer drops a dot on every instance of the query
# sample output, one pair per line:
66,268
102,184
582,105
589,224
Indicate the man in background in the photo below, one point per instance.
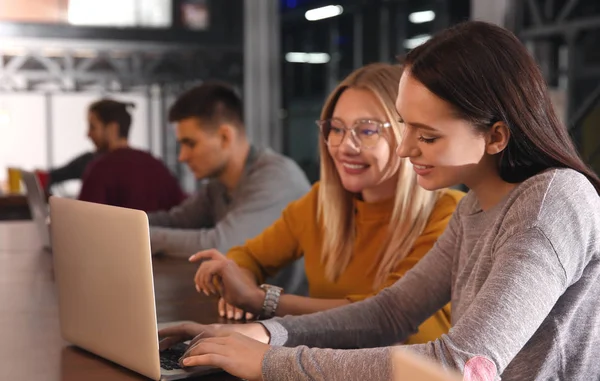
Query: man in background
246,189
75,169
124,176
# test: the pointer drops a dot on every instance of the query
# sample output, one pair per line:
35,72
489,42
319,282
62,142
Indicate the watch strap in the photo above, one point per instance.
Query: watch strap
272,294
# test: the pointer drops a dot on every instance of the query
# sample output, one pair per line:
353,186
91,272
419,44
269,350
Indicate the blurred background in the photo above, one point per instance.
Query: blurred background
284,56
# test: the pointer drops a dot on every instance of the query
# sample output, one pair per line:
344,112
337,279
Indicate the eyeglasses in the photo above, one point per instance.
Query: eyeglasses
364,132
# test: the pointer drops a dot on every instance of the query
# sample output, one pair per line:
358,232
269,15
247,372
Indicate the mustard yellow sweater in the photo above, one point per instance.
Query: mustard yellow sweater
297,234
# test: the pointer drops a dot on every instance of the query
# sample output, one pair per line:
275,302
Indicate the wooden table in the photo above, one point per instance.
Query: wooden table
13,200
30,344
14,207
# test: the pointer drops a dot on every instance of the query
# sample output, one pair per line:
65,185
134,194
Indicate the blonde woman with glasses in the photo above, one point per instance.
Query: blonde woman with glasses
360,229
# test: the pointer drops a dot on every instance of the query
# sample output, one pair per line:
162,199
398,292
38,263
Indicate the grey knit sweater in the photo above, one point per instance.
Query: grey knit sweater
524,281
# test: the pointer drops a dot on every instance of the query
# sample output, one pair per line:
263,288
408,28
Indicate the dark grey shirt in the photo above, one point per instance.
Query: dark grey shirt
524,281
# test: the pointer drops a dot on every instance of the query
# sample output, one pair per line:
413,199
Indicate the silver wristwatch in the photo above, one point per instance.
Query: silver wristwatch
272,294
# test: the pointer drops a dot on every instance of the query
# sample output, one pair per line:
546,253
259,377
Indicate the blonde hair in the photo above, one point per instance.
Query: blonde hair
412,205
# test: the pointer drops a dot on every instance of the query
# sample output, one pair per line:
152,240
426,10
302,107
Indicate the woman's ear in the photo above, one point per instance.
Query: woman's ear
497,138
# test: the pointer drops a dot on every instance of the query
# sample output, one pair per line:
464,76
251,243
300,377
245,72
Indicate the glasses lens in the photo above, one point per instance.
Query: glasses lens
367,133
333,132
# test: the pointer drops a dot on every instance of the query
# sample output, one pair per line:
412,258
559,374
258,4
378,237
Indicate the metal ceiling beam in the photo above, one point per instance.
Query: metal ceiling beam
536,12
136,68
549,9
86,64
62,44
15,64
52,67
578,117
584,109
558,29
566,10
561,27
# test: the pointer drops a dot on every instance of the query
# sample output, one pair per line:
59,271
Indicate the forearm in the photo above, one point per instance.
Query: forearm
303,363
371,323
294,305
193,213
72,170
247,263
59,175
178,242
249,274
289,305
160,219
189,215
384,319
301,305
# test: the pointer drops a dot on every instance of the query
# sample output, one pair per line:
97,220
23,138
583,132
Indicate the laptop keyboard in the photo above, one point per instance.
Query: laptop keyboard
169,358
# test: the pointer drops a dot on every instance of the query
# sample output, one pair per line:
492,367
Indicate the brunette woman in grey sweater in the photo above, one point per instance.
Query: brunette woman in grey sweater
520,259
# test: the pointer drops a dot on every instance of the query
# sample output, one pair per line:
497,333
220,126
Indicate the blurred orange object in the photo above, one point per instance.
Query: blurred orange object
14,180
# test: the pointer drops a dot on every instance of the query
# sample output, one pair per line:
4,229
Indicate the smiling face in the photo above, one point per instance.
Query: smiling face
369,171
445,149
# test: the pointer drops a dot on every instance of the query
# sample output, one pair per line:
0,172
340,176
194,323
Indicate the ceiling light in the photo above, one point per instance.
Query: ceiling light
324,12
310,58
421,17
318,58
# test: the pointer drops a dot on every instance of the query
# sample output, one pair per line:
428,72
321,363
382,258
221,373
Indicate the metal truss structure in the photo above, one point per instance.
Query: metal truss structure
67,65
565,39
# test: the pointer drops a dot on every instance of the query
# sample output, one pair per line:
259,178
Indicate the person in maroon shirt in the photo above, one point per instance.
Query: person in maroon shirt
125,176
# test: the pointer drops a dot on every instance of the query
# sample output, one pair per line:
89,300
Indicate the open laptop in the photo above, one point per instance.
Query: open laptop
38,206
103,270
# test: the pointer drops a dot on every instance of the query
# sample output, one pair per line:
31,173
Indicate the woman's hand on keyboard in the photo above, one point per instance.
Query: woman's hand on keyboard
235,353
196,332
183,332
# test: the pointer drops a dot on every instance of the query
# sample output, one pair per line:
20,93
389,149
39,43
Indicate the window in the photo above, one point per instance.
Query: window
120,13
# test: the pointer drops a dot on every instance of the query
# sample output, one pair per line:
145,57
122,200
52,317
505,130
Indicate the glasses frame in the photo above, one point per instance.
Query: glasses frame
380,128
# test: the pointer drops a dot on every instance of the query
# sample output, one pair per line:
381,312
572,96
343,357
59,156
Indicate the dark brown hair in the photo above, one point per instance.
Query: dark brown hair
488,76
211,102
111,111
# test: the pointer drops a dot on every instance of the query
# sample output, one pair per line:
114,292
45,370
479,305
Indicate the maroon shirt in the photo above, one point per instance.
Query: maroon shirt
131,178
